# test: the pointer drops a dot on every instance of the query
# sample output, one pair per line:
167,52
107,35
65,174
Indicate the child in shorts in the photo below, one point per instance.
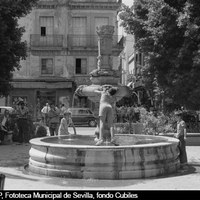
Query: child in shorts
106,113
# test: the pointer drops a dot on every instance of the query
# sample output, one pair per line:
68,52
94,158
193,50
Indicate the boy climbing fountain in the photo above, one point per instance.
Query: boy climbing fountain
106,114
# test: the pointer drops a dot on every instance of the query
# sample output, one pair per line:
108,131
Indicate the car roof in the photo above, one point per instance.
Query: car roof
7,107
79,108
10,109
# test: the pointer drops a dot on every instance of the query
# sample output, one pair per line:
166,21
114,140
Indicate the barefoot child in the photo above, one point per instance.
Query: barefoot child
106,113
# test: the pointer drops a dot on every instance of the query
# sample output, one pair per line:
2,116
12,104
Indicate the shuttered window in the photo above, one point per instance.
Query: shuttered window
47,66
79,31
46,25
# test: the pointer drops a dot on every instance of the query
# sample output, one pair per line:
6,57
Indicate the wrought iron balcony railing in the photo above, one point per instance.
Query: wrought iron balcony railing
91,41
73,41
37,40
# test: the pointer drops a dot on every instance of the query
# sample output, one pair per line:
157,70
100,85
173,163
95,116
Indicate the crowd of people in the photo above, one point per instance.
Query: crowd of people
15,125
21,129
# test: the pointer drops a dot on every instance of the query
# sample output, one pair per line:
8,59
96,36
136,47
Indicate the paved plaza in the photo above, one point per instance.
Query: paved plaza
14,157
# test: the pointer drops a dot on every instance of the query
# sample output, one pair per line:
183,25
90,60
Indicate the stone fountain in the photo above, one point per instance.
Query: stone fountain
137,156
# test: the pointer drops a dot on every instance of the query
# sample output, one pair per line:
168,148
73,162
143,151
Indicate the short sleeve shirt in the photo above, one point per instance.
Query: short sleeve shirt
180,128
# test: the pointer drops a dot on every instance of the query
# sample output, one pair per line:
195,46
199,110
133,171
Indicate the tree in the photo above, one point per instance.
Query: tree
12,49
167,32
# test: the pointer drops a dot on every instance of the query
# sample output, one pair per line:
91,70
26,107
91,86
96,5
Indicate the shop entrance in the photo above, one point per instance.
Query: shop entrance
44,97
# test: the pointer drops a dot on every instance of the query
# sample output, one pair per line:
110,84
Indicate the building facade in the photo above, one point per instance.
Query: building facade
132,65
62,51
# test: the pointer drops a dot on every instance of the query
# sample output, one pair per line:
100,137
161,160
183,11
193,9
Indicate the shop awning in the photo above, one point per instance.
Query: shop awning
57,83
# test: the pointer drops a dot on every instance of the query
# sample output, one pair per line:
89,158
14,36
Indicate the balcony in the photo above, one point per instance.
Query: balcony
95,4
47,42
91,42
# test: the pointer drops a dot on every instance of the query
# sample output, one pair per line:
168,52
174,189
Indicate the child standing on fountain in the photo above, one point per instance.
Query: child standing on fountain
106,112
64,124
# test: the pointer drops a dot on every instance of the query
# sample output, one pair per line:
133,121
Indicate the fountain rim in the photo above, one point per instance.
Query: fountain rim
40,142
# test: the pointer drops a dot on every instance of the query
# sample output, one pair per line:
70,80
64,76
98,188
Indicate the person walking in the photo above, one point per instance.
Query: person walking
181,135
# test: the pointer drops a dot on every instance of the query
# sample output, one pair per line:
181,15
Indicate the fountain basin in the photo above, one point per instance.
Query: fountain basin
137,156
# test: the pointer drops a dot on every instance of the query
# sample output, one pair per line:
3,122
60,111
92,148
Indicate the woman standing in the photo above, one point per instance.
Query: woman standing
22,123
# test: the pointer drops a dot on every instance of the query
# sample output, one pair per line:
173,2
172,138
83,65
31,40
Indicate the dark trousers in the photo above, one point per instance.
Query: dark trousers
182,149
23,130
53,128
2,134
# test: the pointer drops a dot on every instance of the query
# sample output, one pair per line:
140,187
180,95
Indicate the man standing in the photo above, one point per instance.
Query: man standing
53,120
22,123
44,112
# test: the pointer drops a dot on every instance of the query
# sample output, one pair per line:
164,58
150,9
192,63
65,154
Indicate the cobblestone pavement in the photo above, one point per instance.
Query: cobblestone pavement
14,157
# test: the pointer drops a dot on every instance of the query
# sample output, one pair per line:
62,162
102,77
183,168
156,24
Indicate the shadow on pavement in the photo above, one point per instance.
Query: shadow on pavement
94,183
12,176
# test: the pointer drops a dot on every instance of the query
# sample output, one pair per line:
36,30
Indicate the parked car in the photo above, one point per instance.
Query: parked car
83,116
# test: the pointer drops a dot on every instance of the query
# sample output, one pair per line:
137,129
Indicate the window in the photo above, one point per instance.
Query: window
79,30
47,66
43,31
81,66
83,112
139,59
46,25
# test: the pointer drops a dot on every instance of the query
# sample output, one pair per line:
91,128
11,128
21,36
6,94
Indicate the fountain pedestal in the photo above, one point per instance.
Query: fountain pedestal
104,74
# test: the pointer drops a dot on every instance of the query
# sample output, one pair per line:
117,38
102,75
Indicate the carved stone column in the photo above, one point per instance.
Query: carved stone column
105,42
104,74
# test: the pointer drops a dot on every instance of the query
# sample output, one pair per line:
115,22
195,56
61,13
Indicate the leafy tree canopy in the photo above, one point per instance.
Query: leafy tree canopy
12,49
168,33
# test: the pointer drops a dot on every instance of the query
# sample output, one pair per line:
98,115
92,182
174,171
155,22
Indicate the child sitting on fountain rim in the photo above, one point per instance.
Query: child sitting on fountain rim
106,113
64,124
